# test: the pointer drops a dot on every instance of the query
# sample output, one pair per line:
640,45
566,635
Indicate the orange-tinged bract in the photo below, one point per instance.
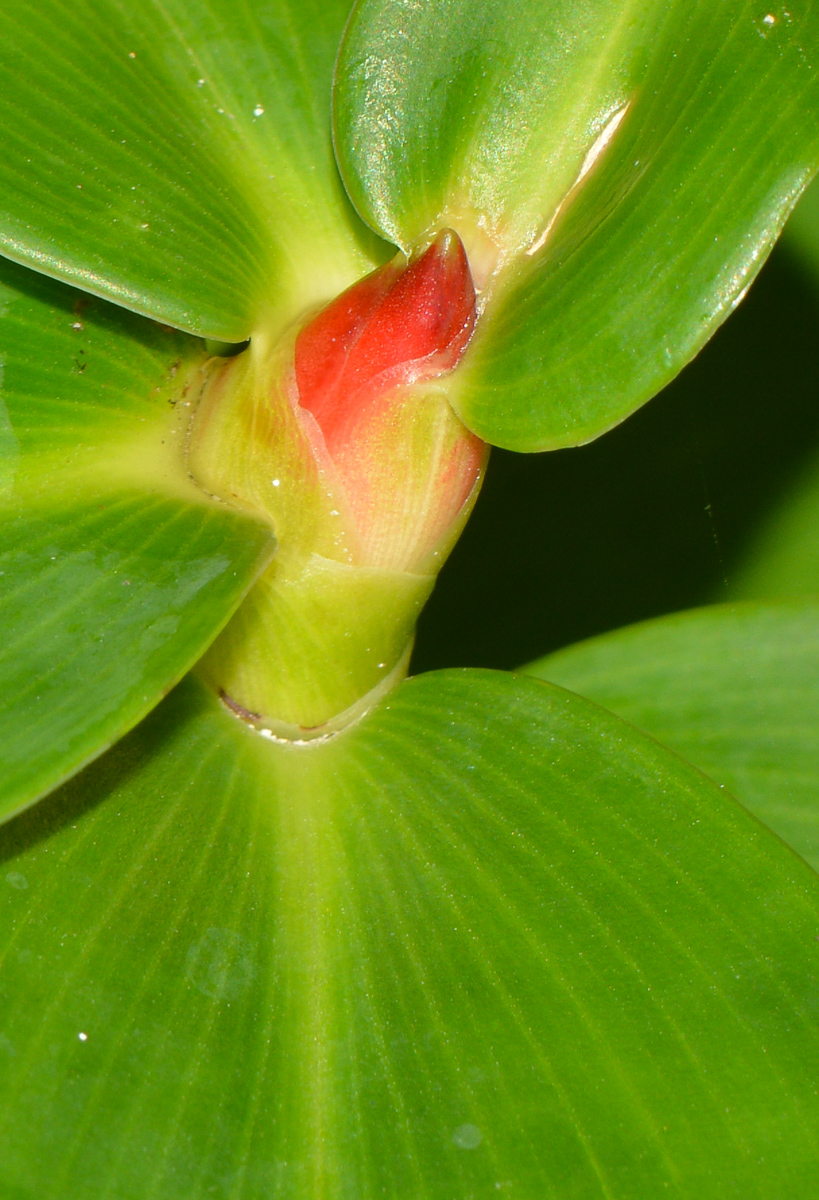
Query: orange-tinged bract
341,435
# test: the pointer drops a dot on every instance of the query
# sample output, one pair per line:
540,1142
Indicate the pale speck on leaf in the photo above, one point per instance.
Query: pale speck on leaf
467,1137
220,965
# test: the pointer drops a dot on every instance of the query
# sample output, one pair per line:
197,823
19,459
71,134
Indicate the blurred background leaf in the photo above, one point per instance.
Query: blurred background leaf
801,237
783,559
732,688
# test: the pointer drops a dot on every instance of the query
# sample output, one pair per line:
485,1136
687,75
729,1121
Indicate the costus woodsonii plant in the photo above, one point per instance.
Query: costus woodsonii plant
281,919
340,439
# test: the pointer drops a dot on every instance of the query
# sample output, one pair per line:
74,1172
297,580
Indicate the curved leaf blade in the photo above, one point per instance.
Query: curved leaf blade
105,604
175,157
483,112
116,573
625,170
490,936
731,688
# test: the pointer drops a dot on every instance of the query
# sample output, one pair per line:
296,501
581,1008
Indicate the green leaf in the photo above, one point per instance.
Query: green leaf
175,156
732,688
490,939
702,122
116,572
802,233
782,559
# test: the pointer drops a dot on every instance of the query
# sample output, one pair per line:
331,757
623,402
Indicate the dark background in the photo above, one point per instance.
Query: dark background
654,516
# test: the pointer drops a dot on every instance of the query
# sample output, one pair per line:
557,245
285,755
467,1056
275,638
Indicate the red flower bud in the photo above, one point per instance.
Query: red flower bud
355,366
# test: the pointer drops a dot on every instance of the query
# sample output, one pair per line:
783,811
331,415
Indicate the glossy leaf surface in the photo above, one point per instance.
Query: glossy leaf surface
490,939
623,167
115,571
176,157
733,689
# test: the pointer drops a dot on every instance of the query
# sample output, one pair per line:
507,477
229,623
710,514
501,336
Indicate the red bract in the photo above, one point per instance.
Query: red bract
397,325
355,364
